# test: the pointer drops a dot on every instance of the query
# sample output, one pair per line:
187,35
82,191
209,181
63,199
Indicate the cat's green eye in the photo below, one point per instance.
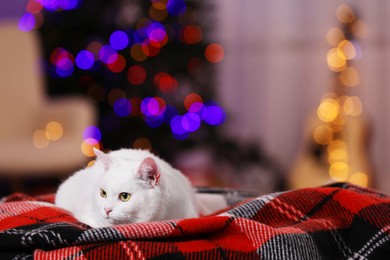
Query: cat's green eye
124,196
103,193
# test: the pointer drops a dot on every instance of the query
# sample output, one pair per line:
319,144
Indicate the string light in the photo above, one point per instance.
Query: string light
334,109
116,54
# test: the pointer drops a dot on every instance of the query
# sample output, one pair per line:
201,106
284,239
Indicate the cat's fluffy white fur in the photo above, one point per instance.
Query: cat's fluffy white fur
158,191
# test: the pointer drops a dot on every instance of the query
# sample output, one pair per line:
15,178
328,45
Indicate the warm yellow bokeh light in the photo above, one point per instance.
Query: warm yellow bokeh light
40,140
336,59
335,36
88,145
54,131
323,134
338,171
91,163
350,77
345,14
348,49
337,144
353,106
338,155
359,178
328,110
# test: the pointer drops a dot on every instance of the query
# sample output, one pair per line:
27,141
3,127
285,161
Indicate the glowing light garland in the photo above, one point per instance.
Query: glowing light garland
335,108
144,42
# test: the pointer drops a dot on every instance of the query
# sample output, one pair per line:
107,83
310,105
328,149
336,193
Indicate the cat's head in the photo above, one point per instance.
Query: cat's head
129,189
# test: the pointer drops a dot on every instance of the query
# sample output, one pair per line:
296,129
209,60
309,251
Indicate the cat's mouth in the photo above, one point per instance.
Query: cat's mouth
114,220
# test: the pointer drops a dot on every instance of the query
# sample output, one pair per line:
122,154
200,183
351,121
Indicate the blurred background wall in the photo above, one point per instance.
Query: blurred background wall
275,72
271,79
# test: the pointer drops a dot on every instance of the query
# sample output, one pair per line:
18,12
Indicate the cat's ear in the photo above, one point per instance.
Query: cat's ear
102,157
148,171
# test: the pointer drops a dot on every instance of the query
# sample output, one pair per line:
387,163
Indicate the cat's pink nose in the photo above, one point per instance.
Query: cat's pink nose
107,210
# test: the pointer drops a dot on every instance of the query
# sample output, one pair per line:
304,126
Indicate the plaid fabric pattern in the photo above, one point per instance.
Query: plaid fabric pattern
334,222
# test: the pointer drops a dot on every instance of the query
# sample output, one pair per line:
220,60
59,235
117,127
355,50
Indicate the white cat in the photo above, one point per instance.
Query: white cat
127,186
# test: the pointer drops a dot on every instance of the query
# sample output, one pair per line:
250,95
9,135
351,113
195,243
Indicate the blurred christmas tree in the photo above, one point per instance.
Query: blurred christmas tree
146,64
149,68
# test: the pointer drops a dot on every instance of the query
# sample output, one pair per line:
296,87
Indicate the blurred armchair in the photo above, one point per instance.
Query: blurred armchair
25,112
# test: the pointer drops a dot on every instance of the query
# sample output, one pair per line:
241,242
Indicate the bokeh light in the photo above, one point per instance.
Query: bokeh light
153,106
328,110
176,7
213,115
214,53
27,22
193,102
170,113
34,6
348,49
88,145
157,34
142,143
122,107
190,122
345,14
136,74
335,36
338,171
115,94
119,40
158,11
40,140
63,60
85,60
337,61
350,77
117,54
58,5
92,132
150,49
323,134
135,103
94,47
359,178
338,155
177,126
191,34
117,65
54,131
165,82
107,54
137,52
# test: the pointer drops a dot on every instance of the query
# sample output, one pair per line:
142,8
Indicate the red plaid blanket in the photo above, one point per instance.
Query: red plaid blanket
334,222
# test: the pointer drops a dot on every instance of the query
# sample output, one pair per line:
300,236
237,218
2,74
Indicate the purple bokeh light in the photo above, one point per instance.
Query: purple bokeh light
27,22
55,5
213,115
122,107
177,126
92,132
64,67
119,40
107,54
84,60
153,106
156,32
176,7
190,122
